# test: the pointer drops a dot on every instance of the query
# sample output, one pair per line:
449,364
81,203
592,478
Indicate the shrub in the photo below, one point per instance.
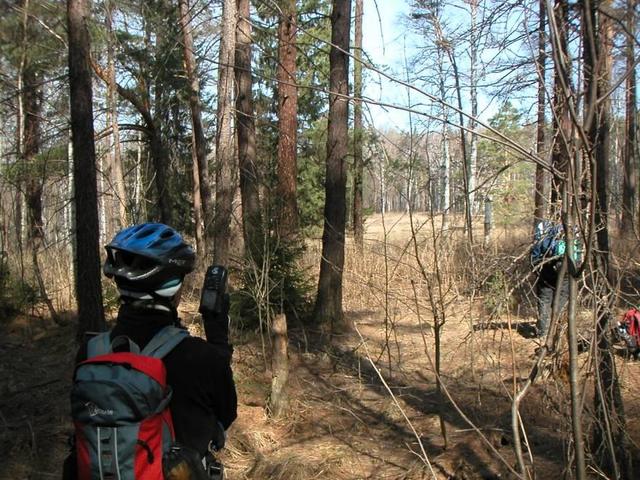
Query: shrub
16,294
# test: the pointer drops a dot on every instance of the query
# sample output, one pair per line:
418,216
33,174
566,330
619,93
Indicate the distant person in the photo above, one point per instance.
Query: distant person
172,402
546,258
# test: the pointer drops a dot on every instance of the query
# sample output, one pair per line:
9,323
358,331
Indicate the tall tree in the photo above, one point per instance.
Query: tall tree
561,116
539,194
473,97
31,99
88,287
287,120
199,148
153,74
609,435
112,120
358,164
246,131
630,185
224,136
328,307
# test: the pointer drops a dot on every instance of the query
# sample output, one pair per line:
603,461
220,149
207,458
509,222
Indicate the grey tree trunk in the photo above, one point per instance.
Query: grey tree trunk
204,210
473,94
540,190
630,178
112,109
224,137
278,399
88,287
328,307
358,164
246,134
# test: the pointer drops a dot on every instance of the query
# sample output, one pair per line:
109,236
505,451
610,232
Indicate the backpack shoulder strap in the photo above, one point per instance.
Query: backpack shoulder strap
164,341
99,345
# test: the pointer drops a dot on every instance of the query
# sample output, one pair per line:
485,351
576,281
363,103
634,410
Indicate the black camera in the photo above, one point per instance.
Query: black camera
213,290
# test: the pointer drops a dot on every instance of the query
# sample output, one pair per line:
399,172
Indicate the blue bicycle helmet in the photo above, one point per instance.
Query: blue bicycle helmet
151,257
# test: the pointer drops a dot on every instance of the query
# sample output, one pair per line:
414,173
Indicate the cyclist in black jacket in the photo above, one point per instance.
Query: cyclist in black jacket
148,263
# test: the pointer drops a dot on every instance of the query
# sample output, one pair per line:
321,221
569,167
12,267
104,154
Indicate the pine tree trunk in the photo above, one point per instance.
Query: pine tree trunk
287,121
246,133
88,287
328,307
609,435
199,141
358,164
630,185
224,137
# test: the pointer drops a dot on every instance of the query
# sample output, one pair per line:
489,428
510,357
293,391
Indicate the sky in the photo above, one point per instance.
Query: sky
386,41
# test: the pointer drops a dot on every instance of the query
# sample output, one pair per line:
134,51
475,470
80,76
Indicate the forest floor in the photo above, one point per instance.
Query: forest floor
363,405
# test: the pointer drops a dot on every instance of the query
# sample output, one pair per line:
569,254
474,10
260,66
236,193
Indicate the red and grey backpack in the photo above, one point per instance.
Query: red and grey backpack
120,407
629,328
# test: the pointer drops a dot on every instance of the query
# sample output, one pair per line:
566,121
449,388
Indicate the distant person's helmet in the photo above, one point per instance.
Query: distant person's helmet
149,258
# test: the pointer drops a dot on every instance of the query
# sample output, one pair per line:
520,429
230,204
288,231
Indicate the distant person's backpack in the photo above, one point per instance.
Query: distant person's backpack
629,329
549,242
119,404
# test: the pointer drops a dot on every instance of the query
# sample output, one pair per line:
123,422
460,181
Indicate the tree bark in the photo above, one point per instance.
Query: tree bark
473,94
630,185
157,145
199,146
112,109
540,193
609,435
246,133
88,287
561,118
197,206
287,121
328,307
358,164
160,160
32,98
279,366
224,137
